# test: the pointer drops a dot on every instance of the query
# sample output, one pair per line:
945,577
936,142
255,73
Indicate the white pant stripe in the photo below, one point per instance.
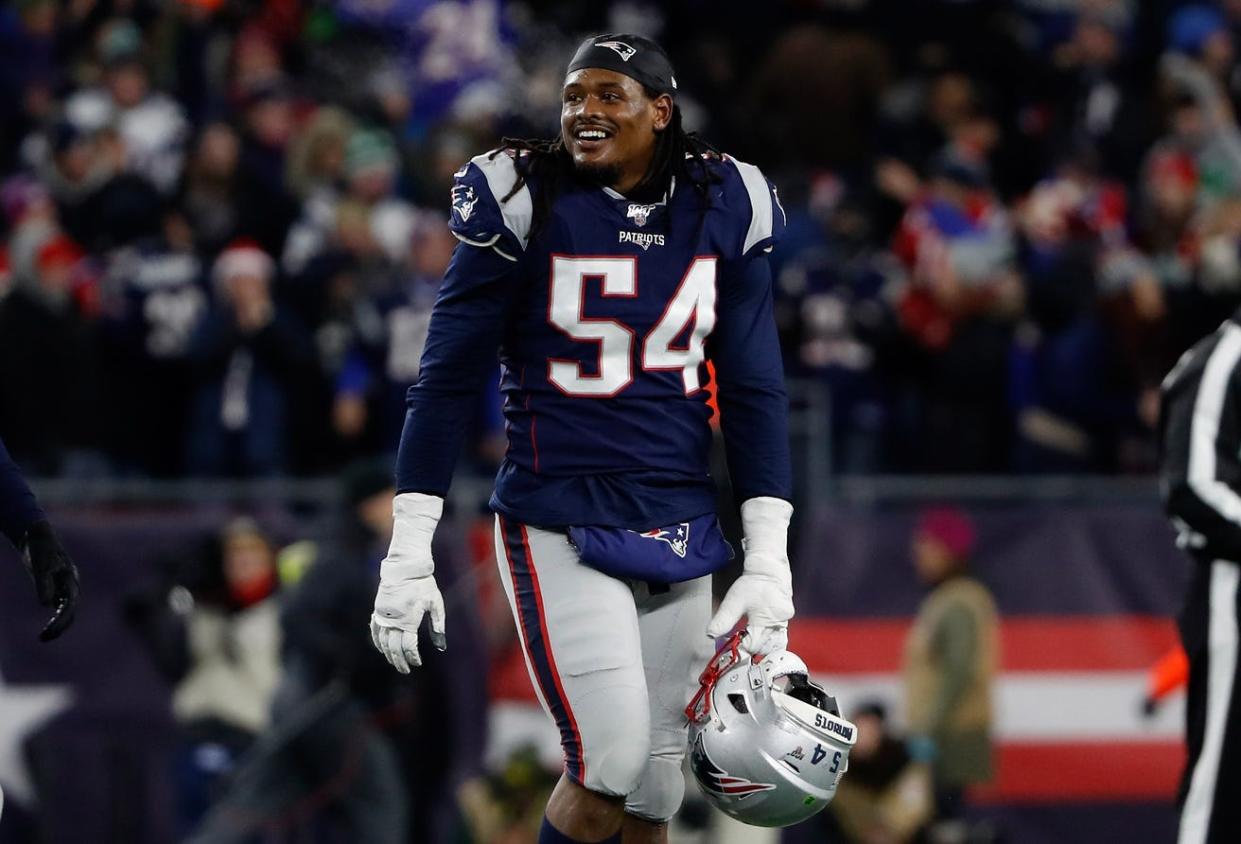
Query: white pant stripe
1222,666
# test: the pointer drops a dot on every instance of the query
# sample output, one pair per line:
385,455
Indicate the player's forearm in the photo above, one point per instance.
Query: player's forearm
467,326
756,440
18,507
430,443
454,369
750,381
1210,529
1198,472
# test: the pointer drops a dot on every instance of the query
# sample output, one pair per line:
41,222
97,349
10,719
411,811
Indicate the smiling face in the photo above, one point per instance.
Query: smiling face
609,126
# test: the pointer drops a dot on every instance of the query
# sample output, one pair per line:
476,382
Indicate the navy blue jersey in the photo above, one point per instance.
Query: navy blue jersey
604,321
18,507
156,298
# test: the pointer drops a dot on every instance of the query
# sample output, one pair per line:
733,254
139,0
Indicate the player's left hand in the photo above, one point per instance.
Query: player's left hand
55,577
407,589
764,592
399,609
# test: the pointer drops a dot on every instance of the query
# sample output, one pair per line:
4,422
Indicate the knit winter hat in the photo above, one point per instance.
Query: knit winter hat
949,527
368,150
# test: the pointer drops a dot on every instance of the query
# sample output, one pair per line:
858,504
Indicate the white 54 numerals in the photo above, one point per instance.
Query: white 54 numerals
693,300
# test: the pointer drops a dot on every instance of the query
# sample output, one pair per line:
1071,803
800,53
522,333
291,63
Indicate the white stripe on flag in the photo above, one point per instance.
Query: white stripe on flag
1043,706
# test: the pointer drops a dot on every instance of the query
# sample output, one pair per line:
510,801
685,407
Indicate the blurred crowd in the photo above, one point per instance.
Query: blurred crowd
288,724
222,222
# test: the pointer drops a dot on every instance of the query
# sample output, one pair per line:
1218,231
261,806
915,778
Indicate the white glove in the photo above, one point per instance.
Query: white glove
764,592
407,589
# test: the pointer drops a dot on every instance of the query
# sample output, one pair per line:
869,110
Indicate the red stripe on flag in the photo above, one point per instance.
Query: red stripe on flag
1116,643
1083,772
1038,643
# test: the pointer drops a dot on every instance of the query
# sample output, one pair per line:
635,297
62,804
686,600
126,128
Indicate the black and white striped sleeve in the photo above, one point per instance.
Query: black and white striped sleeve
1200,477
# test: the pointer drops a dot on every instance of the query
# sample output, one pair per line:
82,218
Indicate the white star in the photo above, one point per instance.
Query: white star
23,710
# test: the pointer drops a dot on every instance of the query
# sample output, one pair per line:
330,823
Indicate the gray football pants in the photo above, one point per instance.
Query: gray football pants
613,662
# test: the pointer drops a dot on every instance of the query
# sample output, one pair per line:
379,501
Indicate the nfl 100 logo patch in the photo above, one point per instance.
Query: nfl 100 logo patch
639,213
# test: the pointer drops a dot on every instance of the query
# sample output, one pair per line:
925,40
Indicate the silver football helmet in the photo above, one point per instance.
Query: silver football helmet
767,745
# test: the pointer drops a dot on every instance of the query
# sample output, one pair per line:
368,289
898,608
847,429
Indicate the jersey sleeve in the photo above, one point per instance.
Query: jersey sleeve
483,212
1200,471
749,377
461,353
18,507
765,219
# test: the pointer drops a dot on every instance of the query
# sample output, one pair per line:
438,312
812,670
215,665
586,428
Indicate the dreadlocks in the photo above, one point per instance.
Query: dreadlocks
677,153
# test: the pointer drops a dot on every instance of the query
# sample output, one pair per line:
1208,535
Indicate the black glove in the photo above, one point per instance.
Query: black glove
1150,706
55,577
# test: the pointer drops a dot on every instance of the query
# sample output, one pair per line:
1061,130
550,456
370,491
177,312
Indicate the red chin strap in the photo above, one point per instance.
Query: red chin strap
730,654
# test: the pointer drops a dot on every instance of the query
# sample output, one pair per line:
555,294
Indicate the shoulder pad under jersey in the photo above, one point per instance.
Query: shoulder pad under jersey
481,216
748,190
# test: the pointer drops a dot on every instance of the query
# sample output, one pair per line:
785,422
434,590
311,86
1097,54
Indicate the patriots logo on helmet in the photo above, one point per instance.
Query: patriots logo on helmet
715,778
620,47
463,199
677,538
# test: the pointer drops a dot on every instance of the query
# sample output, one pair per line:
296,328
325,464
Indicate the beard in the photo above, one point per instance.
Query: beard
604,175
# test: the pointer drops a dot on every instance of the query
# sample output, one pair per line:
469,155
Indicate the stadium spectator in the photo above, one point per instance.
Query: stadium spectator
251,359
886,797
956,311
939,325
211,193
48,388
211,625
390,330
951,658
265,208
151,125
380,750
153,298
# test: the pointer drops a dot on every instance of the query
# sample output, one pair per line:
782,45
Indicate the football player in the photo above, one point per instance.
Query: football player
606,266
22,521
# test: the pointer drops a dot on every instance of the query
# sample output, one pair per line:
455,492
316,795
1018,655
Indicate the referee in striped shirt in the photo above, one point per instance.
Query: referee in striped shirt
1200,482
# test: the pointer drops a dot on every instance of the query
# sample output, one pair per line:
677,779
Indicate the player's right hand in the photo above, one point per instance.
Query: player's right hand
407,589
55,577
399,608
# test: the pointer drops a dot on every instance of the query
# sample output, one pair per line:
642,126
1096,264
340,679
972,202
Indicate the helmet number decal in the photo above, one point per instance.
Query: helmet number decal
820,753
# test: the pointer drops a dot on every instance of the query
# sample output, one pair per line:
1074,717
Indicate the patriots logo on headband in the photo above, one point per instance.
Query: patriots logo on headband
620,47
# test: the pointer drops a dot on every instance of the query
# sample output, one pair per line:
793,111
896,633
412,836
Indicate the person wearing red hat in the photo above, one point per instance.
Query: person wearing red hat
254,361
950,660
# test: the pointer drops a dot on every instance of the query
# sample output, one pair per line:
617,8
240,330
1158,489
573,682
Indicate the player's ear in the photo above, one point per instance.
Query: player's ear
661,112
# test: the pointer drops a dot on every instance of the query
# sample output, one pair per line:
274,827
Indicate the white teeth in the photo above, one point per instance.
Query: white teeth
592,134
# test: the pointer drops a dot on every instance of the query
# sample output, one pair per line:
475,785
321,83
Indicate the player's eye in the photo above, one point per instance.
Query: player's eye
608,97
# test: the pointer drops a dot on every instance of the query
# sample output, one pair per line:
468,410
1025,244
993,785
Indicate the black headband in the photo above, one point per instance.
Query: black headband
635,56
